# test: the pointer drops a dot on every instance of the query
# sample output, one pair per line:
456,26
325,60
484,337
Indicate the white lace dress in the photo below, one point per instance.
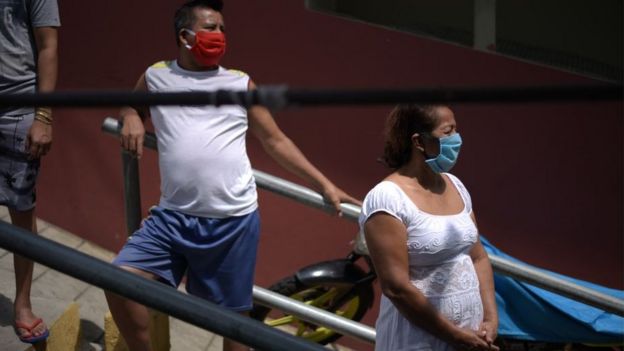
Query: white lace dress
439,266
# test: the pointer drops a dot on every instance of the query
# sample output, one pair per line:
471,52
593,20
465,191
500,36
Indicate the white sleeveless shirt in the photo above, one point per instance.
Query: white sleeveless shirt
204,167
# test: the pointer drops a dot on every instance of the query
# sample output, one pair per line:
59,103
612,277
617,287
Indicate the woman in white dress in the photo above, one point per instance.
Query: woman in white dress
436,278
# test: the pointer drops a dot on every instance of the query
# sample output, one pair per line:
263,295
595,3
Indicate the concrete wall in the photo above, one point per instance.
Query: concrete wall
545,178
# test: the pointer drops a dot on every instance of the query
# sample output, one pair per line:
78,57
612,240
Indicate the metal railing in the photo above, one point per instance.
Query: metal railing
150,293
500,265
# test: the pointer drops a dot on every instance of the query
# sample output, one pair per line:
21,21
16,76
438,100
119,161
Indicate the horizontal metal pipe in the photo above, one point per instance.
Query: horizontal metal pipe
302,194
277,97
500,265
314,314
150,293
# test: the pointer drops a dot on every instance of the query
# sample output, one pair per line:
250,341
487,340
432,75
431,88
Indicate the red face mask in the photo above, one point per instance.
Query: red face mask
209,47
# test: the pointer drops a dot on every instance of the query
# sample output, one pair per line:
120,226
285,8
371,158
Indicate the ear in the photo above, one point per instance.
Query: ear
417,142
182,35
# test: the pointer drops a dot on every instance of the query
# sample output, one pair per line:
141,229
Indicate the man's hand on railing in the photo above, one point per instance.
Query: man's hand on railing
334,195
132,134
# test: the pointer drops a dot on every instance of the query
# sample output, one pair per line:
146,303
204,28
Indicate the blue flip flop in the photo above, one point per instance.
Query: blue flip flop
28,337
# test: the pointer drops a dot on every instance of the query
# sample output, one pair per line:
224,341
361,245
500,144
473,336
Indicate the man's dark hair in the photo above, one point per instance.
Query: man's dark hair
184,16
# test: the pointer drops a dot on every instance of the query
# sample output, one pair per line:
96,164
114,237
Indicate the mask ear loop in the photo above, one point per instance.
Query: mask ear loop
421,145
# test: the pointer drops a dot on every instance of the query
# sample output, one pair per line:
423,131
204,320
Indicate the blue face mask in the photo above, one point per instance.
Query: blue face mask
449,150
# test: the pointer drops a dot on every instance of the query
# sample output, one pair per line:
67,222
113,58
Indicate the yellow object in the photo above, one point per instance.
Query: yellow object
161,64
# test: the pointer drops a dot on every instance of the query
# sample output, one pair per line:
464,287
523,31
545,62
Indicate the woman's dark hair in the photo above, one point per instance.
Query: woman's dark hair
184,16
402,123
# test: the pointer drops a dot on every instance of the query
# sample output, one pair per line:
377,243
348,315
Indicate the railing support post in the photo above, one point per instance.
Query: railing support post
159,322
132,191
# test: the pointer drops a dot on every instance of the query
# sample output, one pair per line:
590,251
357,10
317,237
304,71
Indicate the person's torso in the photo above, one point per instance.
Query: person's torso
203,160
440,267
438,245
18,66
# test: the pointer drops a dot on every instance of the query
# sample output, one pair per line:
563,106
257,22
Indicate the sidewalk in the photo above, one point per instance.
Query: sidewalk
53,293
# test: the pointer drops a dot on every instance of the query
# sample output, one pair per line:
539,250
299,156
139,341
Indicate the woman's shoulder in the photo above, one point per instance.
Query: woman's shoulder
455,180
386,194
461,188
383,197
384,188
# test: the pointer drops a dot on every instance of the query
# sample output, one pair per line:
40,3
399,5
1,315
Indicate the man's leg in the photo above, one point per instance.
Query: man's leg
22,306
131,317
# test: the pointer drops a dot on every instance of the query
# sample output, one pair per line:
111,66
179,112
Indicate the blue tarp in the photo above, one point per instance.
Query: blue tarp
530,313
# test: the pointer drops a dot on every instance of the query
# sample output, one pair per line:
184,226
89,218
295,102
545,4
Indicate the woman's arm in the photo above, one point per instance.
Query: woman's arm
483,267
386,240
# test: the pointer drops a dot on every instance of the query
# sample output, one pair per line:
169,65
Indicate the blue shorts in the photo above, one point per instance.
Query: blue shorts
217,254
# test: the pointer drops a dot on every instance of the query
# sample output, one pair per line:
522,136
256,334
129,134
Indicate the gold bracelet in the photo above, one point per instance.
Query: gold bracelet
44,115
44,111
42,119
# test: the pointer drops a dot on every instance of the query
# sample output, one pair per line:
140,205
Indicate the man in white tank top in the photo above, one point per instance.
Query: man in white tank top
208,193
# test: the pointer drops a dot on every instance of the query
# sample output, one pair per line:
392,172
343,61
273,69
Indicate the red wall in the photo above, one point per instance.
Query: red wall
546,179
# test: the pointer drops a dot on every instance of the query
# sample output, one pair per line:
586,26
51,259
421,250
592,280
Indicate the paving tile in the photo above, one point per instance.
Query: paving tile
6,263
42,225
56,285
185,336
216,344
96,251
62,236
4,213
7,288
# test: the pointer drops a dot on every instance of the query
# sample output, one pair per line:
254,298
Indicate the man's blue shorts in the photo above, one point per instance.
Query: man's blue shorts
217,254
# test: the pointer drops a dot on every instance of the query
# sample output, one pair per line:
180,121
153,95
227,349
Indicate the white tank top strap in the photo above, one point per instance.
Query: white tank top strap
463,192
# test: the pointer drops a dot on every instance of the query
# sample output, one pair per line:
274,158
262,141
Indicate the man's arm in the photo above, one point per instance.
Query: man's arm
46,39
133,131
39,138
287,154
